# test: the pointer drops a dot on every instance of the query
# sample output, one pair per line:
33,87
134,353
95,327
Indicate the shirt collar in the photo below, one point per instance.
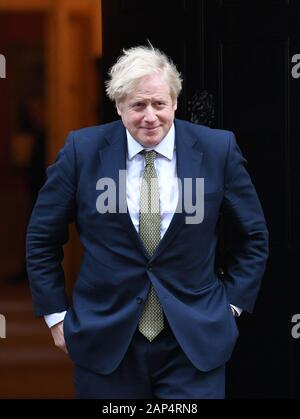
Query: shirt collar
165,148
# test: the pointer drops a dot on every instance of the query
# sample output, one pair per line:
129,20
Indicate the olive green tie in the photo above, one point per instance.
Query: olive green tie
152,320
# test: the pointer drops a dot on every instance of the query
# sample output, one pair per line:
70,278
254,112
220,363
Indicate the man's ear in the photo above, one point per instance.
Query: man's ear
118,107
175,105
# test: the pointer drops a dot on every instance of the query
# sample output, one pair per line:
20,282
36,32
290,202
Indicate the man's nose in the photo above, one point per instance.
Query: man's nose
150,115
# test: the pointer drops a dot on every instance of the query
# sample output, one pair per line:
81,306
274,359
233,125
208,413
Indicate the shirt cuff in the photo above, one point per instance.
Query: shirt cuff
237,310
53,319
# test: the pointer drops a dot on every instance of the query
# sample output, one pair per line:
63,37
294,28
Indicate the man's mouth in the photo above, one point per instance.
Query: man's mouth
150,128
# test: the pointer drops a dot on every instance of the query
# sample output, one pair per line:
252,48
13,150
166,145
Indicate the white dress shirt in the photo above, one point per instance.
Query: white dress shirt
165,165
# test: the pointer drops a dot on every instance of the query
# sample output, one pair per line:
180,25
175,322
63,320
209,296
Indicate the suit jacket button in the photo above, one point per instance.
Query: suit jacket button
139,300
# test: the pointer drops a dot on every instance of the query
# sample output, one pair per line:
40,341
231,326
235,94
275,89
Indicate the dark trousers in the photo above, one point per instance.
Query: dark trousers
157,369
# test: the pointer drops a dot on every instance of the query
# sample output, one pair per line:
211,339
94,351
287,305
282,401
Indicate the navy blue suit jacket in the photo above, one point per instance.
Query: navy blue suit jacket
116,271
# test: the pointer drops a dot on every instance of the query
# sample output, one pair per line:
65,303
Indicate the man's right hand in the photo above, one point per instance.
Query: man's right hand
58,336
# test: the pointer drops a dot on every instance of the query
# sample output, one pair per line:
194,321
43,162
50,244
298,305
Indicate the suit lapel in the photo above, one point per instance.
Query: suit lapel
113,160
113,157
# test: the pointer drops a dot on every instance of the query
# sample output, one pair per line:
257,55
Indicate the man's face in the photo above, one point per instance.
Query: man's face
148,112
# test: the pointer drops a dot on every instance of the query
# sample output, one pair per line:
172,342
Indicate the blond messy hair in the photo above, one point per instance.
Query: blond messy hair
138,62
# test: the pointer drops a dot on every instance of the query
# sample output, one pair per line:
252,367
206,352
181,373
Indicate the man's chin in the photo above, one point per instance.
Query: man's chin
152,138
150,141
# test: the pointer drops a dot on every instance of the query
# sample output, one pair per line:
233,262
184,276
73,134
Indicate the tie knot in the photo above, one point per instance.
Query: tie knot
149,157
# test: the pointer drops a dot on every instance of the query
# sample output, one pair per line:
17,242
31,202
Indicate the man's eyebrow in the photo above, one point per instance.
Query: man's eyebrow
136,99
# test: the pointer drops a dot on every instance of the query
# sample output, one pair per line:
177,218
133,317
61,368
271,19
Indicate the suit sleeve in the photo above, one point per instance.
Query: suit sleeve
47,232
247,244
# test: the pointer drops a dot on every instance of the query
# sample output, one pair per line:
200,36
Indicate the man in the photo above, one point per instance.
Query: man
149,317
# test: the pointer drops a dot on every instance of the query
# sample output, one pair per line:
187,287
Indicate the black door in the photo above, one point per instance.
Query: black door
248,63
236,60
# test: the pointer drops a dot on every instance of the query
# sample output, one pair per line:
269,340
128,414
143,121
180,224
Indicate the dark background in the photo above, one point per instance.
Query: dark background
235,58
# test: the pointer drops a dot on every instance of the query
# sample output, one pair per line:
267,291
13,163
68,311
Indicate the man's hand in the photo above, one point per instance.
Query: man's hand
58,336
